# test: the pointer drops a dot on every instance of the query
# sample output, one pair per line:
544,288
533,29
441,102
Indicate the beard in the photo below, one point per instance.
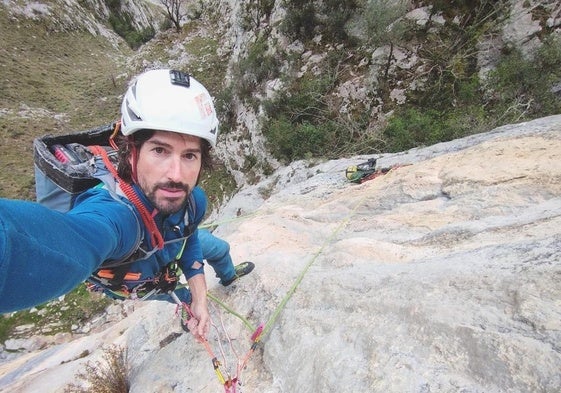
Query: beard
168,205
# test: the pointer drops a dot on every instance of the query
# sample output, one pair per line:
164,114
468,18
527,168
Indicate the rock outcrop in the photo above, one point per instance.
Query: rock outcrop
443,275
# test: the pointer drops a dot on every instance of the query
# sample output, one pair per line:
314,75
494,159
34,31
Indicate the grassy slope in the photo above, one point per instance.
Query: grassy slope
51,83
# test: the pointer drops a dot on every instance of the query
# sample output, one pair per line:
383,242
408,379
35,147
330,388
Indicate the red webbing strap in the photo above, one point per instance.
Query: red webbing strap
155,236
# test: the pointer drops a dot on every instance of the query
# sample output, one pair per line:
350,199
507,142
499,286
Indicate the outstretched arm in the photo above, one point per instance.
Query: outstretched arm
45,254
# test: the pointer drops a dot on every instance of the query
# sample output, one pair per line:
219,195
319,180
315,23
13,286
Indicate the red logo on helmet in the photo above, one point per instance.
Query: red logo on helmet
204,105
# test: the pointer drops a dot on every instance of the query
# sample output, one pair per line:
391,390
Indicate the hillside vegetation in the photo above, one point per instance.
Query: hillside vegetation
52,82
380,75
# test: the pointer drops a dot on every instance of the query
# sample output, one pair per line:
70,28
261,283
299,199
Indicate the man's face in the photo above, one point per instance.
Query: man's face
167,169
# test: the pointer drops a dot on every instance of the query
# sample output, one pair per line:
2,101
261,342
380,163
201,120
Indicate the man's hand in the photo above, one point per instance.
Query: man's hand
199,324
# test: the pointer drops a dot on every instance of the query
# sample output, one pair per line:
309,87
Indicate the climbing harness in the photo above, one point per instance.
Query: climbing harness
110,281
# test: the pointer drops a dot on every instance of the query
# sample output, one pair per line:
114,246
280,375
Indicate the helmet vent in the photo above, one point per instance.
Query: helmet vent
179,78
133,116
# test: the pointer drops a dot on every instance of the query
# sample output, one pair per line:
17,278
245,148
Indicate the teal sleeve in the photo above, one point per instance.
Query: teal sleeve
45,254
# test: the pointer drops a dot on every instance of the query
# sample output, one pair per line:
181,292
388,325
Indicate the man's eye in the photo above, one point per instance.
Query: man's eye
159,150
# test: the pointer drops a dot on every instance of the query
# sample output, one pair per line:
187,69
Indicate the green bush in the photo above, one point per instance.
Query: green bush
113,5
335,16
252,11
381,22
225,109
300,20
522,88
301,122
297,118
304,19
256,67
291,141
549,55
466,120
413,127
121,22
136,38
455,105
305,100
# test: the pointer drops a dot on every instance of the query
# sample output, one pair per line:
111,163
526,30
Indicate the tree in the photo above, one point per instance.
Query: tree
254,10
173,12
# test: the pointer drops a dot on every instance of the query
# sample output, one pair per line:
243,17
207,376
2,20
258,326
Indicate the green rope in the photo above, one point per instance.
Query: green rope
300,277
230,310
284,301
226,221
224,306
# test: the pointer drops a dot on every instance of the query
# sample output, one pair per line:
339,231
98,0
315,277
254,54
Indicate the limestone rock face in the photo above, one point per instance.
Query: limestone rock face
442,275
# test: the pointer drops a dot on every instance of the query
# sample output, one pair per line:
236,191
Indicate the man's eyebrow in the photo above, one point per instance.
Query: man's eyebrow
157,142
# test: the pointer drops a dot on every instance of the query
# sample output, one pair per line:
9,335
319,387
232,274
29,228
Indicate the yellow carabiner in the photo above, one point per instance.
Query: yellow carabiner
216,365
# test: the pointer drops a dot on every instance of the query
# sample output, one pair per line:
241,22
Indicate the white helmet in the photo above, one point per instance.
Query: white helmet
169,100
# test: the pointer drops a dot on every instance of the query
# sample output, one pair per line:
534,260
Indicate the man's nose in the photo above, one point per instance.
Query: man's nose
174,169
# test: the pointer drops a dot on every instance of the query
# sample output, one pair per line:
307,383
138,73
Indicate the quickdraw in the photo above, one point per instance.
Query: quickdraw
229,383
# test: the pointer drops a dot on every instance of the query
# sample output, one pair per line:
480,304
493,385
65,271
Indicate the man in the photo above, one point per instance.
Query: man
168,127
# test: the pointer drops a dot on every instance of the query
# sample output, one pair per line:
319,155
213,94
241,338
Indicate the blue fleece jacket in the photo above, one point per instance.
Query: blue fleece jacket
45,254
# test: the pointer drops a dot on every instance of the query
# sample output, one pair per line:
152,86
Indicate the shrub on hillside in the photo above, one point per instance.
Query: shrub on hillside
109,375
522,88
292,141
257,66
300,20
